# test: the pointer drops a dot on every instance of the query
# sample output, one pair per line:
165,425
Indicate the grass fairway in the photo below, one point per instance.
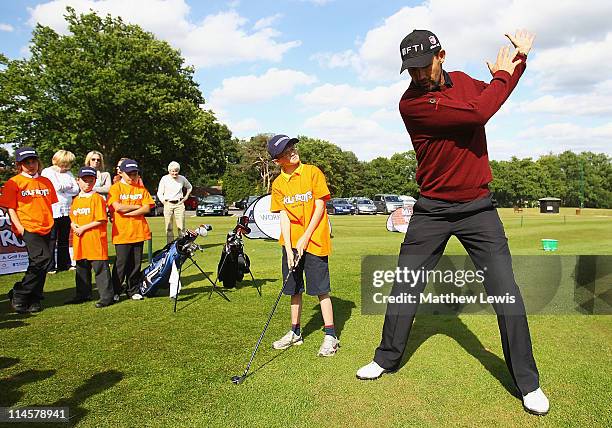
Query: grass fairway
139,364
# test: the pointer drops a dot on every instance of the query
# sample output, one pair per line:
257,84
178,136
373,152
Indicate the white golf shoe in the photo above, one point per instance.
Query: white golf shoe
289,339
370,371
536,402
329,346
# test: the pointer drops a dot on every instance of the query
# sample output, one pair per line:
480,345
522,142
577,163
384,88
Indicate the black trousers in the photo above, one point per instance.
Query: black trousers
103,280
60,236
127,267
30,289
477,226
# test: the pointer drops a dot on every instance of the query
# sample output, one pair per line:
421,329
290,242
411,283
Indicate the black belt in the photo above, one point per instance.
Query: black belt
174,202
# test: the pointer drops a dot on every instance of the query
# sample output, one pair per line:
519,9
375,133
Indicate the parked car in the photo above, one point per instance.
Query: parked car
158,209
348,201
191,203
338,206
387,203
212,205
364,206
244,203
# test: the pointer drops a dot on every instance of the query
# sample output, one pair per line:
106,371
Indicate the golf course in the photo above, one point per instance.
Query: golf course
137,363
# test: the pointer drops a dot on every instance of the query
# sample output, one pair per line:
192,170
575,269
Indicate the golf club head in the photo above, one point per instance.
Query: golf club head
237,380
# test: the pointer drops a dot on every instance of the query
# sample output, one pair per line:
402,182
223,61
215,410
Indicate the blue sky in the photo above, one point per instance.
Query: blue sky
330,68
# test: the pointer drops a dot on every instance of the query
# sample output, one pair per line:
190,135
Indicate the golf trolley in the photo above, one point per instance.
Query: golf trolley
167,265
234,262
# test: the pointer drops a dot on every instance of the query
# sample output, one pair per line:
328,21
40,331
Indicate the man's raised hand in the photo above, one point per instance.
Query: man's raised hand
505,60
522,40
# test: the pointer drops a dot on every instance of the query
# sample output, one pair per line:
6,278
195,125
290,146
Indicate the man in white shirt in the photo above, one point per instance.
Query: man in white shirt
170,193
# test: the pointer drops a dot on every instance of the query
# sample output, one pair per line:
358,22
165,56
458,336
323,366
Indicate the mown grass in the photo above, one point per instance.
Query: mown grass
140,364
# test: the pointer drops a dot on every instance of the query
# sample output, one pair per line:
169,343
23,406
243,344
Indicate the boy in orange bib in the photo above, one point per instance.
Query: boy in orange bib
299,194
129,201
28,197
88,223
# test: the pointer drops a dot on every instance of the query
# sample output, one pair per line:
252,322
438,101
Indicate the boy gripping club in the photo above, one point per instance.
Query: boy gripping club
299,194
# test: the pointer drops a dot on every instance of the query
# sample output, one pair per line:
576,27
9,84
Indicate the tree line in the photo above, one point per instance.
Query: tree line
578,179
113,87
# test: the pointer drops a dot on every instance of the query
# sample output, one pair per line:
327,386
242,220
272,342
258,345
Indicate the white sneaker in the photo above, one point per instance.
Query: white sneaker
116,298
288,340
370,371
536,402
329,346
137,296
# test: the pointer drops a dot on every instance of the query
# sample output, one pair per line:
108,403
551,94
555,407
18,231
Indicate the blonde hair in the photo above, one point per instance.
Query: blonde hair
63,158
92,154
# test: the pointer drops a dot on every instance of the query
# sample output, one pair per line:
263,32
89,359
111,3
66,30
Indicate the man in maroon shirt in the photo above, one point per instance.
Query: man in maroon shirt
445,114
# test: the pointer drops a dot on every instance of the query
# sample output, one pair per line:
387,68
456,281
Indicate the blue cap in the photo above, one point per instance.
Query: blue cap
277,144
23,153
87,171
129,165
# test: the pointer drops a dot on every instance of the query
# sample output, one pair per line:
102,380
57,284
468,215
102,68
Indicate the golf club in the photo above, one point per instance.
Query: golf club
237,380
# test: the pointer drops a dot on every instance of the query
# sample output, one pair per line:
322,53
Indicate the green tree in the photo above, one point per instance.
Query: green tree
112,87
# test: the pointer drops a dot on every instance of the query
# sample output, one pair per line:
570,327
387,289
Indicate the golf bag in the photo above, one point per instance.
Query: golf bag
234,263
163,272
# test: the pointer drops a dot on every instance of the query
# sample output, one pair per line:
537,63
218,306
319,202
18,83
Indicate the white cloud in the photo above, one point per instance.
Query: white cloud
334,96
598,103
249,89
245,128
347,58
361,135
568,136
266,22
6,27
317,2
219,39
479,33
574,67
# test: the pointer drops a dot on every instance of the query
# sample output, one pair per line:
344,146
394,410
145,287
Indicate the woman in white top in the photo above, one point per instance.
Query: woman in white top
95,160
66,188
170,193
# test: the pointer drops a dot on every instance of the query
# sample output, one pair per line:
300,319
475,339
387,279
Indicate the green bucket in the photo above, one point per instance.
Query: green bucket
550,244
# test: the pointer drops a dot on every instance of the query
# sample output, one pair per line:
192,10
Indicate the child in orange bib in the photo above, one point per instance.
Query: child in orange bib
88,223
129,201
28,197
299,194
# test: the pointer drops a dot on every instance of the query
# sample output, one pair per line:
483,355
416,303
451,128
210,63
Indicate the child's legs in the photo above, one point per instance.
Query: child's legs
318,284
122,262
296,308
326,309
133,275
103,280
83,279
294,287
30,288
63,236
51,244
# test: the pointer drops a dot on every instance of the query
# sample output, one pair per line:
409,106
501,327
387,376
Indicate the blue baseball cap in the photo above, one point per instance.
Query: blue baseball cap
23,153
129,165
87,171
277,144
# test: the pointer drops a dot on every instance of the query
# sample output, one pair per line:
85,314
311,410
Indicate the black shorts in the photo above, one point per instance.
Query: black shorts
317,275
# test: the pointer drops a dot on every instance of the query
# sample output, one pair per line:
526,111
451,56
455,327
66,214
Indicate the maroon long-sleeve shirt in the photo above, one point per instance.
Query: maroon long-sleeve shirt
448,135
